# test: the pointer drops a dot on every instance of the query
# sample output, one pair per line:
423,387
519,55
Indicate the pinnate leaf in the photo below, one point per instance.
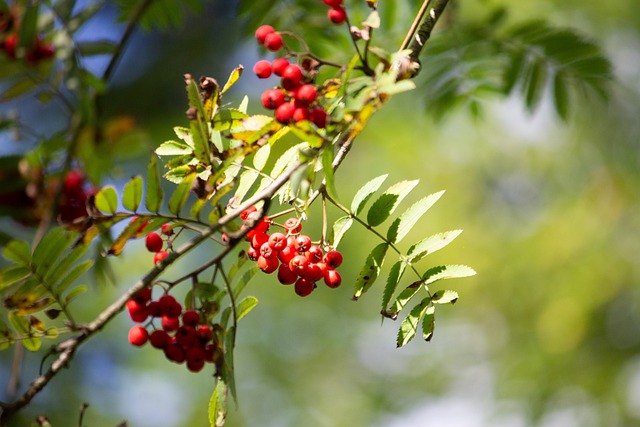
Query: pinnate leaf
431,244
403,224
371,269
387,203
409,326
447,272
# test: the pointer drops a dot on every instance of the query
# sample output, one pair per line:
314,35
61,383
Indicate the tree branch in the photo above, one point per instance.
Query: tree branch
424,32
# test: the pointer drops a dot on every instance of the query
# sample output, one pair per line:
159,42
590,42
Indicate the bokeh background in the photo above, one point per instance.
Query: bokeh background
548,332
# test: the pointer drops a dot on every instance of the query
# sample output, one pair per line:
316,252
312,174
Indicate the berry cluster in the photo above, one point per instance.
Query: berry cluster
297,259
337,14
296,97
39,50
155,243
183,337
73,201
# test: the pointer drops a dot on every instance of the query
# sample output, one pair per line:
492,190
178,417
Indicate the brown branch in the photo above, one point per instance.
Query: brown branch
424,32
67,348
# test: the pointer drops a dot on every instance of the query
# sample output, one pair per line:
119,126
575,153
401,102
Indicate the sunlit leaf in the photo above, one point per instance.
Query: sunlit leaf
173,148
447,272
371,269
365,192
431,244
444,297
387,203
340,227
403,224
218,404
197,124
132,194
233,77
395,274
228,118
429,322
261,157
327,161
245,306
180,194
107,200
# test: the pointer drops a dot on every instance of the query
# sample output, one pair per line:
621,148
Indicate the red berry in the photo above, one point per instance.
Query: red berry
138,336
204,333
300,114
272,98
333,259
137,311
293,225
143,296
169,306
303,287
298,264
169,324
262,32
273,42
258,240
159,256
167,229
332,278
286,276
159,338
284,113
262,69
293,74
244,215
153,242
306,94
337,15
190,318
253,254
278,66
278,241
195,357
174,353
186,336
45,51
10,45
268,265
333,3
313,273
154,309
319,117
302,243
314,254
73,181
286,254
266,251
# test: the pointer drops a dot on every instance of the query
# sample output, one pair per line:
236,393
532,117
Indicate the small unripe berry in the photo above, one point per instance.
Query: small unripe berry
154,242
284,113
278,66
273,42
138,336
337,15
262,32
262,69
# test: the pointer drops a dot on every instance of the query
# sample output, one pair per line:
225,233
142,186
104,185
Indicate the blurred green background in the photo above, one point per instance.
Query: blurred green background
548,332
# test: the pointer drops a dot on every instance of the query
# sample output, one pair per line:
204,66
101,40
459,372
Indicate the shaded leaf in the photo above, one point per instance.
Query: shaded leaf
50,248
561,96
12,275
74,293
22,327
370,271
180,194
154,193
429,322
20,87
18,251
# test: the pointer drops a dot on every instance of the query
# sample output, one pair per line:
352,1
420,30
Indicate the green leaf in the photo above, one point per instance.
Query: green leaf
56,273
429,323
181,193
72,275
20,87
327,167
395,274
107,200
132,194
12,275
228,118
73,293
197,124
561,96
371,269
445,297
97,47
18,252
50,248
403,299
261,157
535,84
21,326
387,203
401,226
308,133
218,404
431,244
287,158
173,148
29,25
338,230
447,272
245,306
409,326
365,192
154,194
245,182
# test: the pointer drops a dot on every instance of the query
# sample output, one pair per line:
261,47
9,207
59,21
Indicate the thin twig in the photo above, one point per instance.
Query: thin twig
424,32
414,25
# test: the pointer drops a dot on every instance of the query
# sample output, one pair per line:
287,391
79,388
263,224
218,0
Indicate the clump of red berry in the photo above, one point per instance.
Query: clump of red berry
181,335
337,14
293,255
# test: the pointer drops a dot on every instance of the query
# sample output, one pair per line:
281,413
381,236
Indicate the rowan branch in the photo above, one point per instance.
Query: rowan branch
419,38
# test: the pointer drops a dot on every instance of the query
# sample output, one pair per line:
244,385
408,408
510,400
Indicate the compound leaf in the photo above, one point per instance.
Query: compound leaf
387,203
403,224
132,194
107,200
365,192
409,325
371,269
